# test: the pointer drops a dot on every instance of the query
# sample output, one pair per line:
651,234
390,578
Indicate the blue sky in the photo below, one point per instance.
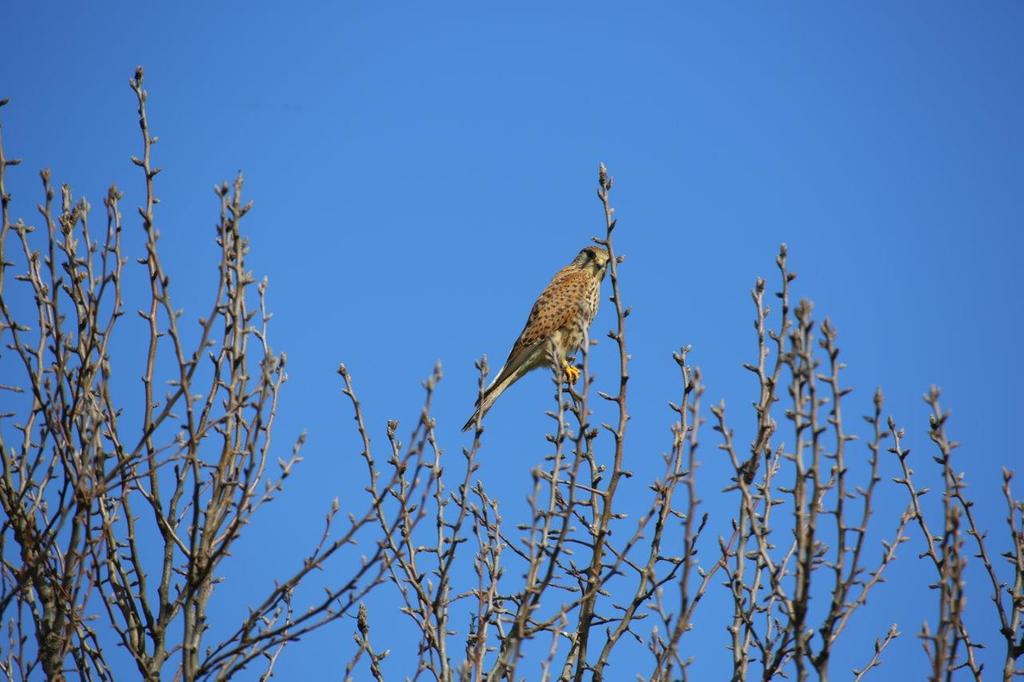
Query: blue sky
420,171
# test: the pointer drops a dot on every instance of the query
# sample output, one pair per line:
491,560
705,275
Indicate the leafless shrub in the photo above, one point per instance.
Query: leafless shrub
800,530
798,492
949,646
82,488
553,596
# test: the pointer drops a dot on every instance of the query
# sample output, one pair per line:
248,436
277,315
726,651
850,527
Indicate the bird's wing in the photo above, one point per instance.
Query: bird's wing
555,308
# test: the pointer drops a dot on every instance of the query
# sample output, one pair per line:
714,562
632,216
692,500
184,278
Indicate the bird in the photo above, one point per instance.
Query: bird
556,327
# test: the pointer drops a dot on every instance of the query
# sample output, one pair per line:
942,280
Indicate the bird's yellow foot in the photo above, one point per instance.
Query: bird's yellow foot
572,373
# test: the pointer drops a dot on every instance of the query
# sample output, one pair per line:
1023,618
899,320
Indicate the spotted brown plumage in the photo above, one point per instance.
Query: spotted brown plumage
555,328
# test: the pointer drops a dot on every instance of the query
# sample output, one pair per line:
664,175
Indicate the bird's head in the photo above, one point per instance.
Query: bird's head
593,258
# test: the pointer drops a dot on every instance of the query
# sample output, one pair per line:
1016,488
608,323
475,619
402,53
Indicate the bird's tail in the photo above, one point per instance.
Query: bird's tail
486,401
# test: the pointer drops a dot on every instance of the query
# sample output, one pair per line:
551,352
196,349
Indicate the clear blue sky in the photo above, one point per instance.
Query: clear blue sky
420,172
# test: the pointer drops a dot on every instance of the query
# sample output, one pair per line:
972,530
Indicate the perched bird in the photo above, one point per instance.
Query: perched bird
556,327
